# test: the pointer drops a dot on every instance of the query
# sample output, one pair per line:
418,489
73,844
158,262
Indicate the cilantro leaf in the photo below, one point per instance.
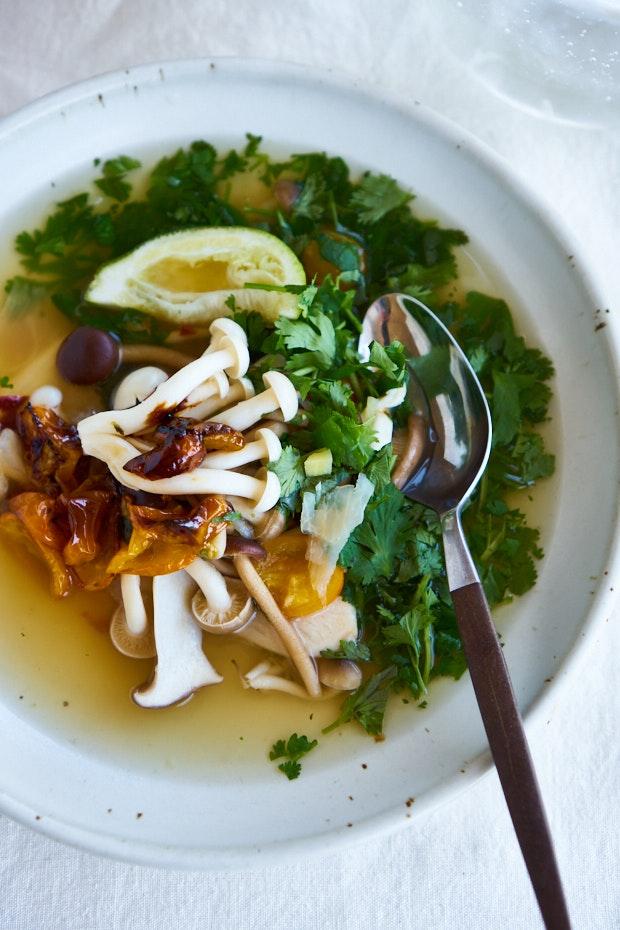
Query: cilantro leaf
289,470
367,704
316,336
374,546
113,183
376,195
292,750
348,649
5,382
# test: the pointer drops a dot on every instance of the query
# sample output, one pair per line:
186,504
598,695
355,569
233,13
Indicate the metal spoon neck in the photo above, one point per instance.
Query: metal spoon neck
460,566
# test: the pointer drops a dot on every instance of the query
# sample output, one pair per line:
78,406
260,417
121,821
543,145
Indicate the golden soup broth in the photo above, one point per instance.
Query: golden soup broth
58,667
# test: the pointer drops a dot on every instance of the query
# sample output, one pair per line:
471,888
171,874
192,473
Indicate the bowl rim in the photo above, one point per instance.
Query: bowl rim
603,600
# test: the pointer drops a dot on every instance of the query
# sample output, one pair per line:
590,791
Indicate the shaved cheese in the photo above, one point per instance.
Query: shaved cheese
329,523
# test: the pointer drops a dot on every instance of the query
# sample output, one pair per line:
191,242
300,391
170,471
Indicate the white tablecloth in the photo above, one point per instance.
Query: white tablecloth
458,867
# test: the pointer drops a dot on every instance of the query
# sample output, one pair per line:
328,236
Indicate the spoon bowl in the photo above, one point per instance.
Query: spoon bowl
444,392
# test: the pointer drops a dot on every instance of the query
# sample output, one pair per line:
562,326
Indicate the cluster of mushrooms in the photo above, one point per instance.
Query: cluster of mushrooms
222,594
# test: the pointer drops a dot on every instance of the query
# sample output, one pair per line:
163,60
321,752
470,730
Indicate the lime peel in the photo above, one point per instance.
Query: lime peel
235,258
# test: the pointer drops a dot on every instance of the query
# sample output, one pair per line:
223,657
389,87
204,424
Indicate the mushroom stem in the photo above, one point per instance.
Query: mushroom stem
263,490
265,677
182,666
211,583
135,611
228,352
287,633
280,395
266,448
154,355
206,405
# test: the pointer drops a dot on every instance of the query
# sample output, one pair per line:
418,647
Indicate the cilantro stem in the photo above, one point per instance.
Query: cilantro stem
351,317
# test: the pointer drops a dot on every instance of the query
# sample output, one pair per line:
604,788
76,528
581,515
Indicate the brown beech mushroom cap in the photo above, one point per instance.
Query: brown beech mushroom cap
89,356
339,674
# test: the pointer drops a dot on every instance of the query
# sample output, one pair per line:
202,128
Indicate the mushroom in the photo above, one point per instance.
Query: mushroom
200,405
182,667
137,386
267,676
266,448
230,354
106,435
411,450
279,396
219,607
241,545
89,355
129,628
279,427
339,674
285,631
323,629
48,395
270,525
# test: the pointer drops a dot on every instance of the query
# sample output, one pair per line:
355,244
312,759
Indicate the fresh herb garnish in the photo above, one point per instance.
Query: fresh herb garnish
5,382
292,751
348,649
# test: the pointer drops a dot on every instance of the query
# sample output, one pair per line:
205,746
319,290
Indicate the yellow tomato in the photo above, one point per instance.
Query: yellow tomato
286,573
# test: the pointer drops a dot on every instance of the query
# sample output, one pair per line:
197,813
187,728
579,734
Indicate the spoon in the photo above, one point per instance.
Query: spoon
447,397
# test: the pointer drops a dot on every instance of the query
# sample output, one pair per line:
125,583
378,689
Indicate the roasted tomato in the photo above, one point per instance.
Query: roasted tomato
51,446
38,520
286,572
166,538
182,445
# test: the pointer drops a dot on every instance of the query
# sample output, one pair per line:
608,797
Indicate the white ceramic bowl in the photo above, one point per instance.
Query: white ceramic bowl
233,817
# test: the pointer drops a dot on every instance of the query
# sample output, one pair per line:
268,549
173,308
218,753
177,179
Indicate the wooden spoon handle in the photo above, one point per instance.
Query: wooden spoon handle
511,754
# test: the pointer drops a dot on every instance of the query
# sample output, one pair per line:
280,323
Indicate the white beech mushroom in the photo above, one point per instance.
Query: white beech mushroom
200,406
137,386
219,606
323,629
129,628
285,631
279,396
106,435
48,395
229,353
268,676
182,667
265,448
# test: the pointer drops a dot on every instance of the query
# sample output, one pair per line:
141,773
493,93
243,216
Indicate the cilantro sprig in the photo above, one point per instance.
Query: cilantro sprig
291,750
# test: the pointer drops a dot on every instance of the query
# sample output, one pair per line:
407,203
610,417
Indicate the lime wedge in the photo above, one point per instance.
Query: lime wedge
187,277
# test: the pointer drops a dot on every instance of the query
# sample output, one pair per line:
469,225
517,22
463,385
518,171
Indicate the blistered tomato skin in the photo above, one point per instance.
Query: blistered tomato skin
286,572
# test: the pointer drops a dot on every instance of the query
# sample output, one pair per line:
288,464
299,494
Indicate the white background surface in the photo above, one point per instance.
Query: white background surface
458,867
